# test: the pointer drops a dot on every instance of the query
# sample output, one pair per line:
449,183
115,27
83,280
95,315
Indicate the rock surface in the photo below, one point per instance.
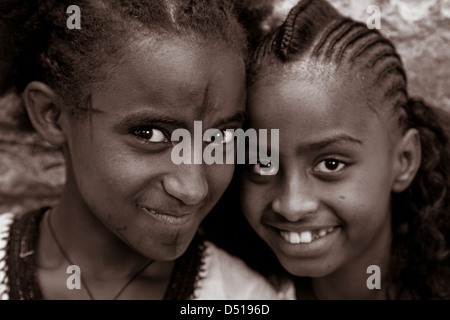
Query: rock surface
31,170
421,31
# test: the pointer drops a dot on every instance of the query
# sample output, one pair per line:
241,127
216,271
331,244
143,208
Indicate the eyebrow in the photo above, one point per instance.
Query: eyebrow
334,140
146,118
238,117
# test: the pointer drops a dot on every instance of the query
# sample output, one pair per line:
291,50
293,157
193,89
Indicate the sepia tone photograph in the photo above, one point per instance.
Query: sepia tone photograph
225,150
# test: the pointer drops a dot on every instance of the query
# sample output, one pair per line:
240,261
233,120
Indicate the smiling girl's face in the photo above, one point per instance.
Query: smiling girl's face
120,166
328,207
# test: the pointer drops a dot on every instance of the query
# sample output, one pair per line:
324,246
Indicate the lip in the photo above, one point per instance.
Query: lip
305,250
301,228
172,217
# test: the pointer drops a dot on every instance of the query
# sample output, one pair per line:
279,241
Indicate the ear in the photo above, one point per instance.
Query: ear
408,158
44,110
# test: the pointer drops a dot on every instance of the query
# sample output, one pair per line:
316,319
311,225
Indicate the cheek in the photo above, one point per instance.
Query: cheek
109,176
361,201
252,200
99,166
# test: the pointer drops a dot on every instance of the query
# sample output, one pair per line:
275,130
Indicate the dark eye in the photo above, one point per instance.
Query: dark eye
329,165
151,135
267,166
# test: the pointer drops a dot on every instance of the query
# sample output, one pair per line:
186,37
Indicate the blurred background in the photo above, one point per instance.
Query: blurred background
32,171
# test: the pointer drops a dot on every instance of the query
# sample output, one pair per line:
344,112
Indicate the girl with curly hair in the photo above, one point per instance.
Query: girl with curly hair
364,172
109,95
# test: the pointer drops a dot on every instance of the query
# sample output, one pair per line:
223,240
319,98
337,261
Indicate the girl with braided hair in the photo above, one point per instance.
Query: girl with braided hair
364,173
109,95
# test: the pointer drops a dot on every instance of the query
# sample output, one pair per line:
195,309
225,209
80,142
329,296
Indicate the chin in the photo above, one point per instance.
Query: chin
174,250
166,253
303,269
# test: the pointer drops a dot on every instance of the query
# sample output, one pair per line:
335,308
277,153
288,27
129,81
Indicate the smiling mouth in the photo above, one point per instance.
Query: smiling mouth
170,218
305,237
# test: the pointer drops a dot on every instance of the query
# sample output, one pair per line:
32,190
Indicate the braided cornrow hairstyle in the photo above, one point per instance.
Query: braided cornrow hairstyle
315,31
36,44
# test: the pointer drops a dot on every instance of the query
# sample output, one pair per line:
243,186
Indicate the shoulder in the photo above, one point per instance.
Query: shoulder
6,220
18,237
225,277
284,285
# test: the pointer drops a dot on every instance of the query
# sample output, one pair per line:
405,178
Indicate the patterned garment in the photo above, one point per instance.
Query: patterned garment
203,272
5,222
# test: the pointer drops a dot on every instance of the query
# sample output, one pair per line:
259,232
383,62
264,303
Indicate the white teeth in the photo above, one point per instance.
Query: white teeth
285,235
306,237
294,238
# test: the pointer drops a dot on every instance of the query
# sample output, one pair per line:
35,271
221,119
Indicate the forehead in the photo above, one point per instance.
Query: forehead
310,103
175,72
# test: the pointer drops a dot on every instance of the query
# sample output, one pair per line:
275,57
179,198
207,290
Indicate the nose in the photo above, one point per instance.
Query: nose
187,183
295,199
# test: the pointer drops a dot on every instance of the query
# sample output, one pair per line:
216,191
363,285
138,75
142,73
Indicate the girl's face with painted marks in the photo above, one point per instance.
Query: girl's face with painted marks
328,207
120,154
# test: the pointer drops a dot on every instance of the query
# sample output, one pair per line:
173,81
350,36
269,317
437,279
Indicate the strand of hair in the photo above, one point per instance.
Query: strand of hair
370,45
335,25
289,26
382,56
393,67
357,36
394,90
339,35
